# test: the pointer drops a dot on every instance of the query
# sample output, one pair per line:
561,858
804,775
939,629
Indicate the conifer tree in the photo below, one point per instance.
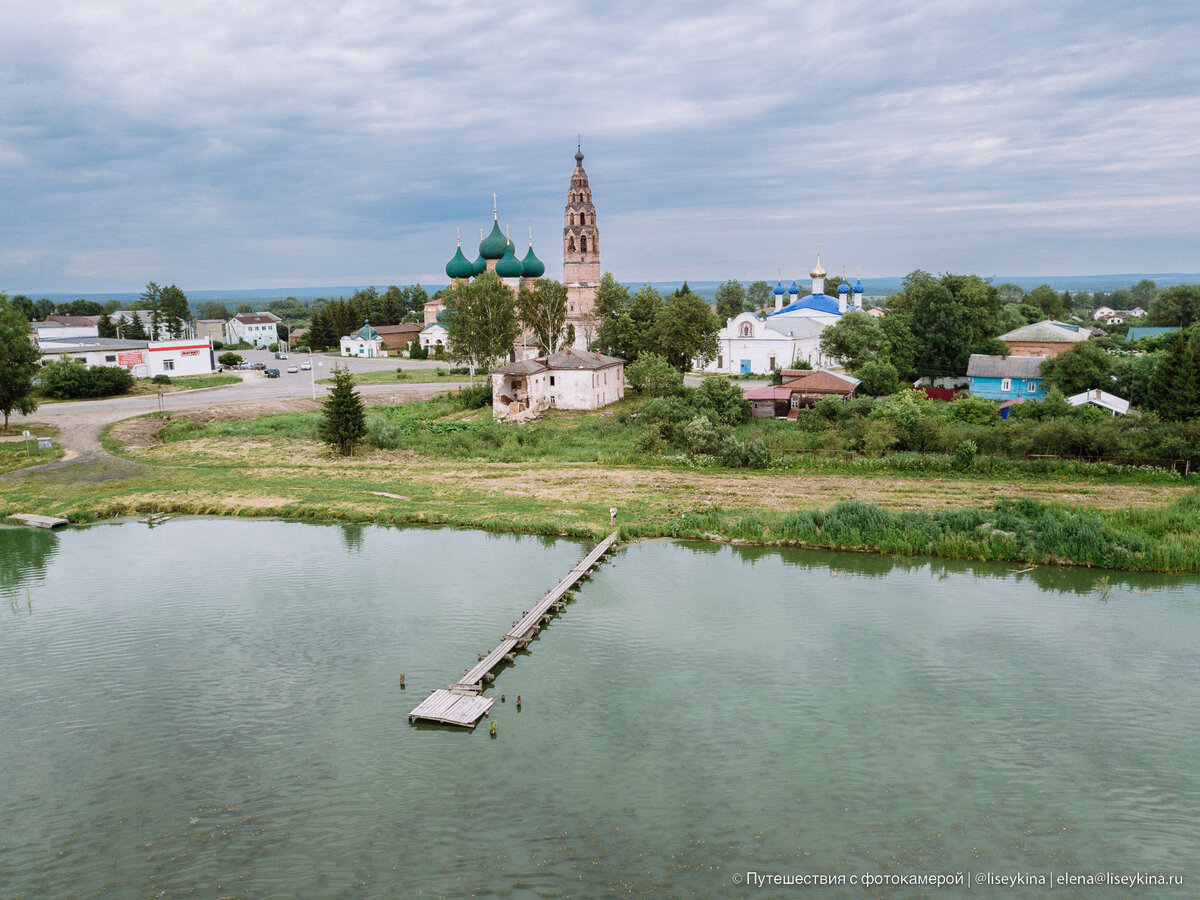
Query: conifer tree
344,422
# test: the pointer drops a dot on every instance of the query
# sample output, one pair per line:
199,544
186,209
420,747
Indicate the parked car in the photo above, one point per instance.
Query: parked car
292,370
258,366
272,373
280,355
305,367
245,367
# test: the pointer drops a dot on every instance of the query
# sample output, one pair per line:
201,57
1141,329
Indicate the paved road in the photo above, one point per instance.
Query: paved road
80,422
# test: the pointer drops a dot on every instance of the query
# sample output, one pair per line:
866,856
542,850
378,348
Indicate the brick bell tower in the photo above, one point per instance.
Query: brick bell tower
581,256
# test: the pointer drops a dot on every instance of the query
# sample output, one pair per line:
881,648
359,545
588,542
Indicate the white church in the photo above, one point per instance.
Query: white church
750,344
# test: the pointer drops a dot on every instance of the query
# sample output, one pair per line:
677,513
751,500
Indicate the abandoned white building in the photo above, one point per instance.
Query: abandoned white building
566,379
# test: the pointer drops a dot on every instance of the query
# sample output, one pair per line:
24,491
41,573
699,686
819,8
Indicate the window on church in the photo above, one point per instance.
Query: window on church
583,243
571,245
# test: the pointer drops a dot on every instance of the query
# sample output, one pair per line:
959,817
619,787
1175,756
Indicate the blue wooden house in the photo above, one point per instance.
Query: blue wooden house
1006,377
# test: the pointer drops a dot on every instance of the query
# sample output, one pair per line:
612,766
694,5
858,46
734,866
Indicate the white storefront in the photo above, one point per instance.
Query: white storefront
144,359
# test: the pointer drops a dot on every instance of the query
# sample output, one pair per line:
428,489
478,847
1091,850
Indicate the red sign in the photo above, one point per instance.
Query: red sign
190,353
131,358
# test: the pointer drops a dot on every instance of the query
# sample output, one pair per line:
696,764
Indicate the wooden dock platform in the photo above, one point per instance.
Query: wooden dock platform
461,703
37,521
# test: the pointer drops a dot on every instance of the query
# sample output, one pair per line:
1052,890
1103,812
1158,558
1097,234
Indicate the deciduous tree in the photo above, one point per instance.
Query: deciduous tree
18,362
1082,368
481,320
543,311
731,300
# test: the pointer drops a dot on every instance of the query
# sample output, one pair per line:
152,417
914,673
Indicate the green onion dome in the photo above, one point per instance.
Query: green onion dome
508,266
534,267
459,266
367,333
495,244
479,266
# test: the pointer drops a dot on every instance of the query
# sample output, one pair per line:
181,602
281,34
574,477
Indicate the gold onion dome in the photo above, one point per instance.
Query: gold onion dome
817,271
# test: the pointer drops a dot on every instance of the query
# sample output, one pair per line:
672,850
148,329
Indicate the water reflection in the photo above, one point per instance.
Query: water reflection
352,535
24,553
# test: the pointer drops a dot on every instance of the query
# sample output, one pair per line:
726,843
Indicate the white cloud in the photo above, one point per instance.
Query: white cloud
272,142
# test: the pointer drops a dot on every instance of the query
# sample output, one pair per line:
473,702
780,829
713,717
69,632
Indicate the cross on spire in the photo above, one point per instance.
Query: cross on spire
495,212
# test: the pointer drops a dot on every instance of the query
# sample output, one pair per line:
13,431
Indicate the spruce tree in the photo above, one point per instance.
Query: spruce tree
344,422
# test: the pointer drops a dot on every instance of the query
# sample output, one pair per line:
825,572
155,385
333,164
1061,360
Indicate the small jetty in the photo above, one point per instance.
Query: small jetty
463,703
35,521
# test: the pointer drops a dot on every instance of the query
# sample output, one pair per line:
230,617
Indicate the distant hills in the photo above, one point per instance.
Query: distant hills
873,287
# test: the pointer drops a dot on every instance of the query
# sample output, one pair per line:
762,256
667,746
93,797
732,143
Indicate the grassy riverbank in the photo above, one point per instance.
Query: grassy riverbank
438,463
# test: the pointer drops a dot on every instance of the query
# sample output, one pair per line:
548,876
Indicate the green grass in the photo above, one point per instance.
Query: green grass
404,376
437,463
13,455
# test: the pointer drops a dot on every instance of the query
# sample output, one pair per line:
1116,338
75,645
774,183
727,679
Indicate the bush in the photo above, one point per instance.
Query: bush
757,456
731,452
725,399
218,345
700,435
878,379
473,397
652,375
651,440
72,379
161,379
964,454
416,351
229,358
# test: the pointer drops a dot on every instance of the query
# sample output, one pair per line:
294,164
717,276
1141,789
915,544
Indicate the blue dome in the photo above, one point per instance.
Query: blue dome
858,286
819,302
843,288
779,291
794,289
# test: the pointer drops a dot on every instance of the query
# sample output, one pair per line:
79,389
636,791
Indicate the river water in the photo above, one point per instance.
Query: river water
211,708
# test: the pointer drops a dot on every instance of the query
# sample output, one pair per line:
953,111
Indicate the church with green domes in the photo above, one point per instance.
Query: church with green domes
581,257
497,254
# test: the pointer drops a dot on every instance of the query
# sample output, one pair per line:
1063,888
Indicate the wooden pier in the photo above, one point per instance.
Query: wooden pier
463,703
36,521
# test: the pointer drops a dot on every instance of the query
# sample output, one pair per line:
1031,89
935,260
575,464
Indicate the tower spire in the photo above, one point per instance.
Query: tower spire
458,234
496,214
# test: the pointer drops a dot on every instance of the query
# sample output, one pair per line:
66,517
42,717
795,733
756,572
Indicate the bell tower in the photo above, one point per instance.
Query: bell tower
581,255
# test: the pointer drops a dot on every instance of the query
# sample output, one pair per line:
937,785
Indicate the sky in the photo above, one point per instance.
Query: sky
264,144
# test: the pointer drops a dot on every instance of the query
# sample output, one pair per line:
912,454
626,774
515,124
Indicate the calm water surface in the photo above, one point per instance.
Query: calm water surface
211,708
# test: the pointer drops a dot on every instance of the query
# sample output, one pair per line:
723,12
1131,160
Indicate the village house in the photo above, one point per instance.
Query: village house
1006,377
1046,338
800,388
566,379
257,329
397,338
1111,403
58,327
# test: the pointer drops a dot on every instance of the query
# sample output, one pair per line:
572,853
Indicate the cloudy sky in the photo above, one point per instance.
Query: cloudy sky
263,143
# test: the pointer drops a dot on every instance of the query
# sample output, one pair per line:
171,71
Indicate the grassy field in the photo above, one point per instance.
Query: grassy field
404,376
13,455
437,463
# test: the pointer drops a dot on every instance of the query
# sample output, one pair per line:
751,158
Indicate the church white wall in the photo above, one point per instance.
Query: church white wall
763,349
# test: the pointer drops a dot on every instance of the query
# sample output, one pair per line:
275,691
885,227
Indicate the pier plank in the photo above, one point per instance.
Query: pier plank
463,703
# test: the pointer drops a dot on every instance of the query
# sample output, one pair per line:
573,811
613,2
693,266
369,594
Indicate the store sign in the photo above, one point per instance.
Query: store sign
189,353
131,358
